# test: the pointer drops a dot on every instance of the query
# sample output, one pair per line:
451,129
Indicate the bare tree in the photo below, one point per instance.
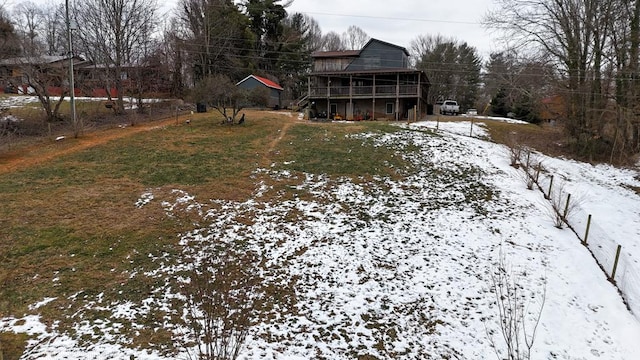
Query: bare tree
355,38
220,93
112,30
30,18
332,41
54,29
625,41
148,68
39,73
175,55
40,76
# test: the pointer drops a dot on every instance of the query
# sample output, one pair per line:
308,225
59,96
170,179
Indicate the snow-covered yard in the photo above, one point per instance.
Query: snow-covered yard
402,268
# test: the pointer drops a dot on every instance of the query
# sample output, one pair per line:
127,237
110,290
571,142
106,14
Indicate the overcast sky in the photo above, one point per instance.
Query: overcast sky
394,21
400,21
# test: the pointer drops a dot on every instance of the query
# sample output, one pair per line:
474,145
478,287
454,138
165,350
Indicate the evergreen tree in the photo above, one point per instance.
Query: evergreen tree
525,109
8,40
266,21
499,104
470,66
214,37
453,69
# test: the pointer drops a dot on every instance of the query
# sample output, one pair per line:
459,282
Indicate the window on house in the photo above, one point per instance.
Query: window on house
389,108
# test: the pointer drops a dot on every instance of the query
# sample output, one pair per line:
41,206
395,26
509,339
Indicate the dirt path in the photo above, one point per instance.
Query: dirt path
289,121
31,155
277,140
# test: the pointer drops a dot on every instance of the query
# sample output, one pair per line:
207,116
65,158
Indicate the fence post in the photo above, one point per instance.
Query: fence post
615,263
566,208
548,196
471,131
538,172
528,158
586,233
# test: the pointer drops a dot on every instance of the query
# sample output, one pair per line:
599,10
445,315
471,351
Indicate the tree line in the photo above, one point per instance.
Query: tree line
582,54
589,50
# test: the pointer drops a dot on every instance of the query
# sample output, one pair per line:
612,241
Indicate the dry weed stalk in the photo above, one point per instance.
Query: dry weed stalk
517,324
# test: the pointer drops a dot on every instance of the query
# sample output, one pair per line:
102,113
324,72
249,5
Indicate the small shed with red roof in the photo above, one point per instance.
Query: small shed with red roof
275,90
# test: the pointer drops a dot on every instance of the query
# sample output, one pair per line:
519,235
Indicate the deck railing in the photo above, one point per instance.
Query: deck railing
361,91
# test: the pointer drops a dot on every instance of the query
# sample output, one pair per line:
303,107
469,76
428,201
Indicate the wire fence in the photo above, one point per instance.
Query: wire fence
621,268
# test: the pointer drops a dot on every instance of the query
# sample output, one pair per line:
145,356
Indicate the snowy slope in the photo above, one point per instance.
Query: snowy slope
401,268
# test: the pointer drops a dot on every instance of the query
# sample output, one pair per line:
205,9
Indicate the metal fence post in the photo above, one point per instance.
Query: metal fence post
566,207
586,233
615,263
550,186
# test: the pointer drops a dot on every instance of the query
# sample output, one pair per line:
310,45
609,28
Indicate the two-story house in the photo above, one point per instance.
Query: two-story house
375,82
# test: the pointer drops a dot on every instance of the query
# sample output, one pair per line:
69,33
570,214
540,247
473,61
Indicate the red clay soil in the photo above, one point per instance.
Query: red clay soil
27,156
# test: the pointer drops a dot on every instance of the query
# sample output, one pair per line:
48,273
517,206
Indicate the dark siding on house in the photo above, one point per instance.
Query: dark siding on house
379,55
250,83
274,95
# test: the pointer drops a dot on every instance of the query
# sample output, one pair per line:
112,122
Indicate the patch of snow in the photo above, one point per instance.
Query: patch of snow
42,303
144,199
9,119
496,118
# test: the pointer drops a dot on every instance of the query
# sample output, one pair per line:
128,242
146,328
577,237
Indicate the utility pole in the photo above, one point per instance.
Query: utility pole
77,126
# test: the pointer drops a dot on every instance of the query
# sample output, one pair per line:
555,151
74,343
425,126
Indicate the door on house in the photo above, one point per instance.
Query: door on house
389,108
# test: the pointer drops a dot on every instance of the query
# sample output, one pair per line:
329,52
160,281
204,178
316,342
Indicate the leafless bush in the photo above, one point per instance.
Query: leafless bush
220,303
527,178
517,324
515,149
563,205
515,152
530,169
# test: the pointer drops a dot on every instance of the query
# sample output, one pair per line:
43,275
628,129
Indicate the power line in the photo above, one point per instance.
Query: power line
391,18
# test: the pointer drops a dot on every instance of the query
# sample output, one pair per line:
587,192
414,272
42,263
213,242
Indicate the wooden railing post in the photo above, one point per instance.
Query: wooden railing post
548,196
